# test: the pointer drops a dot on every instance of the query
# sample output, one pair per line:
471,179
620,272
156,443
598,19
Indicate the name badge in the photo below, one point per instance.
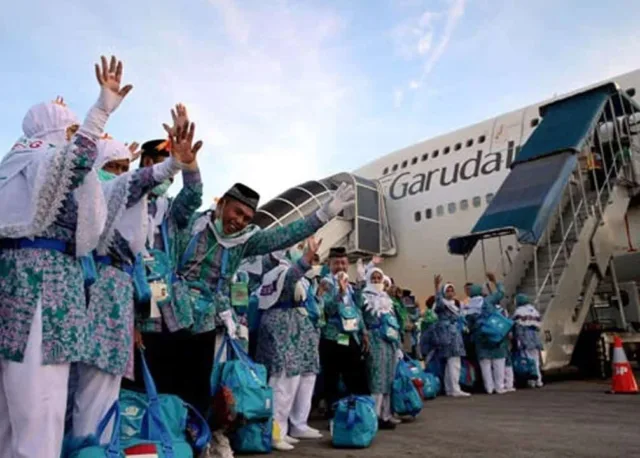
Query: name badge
239,294
159,290
350,325
343,339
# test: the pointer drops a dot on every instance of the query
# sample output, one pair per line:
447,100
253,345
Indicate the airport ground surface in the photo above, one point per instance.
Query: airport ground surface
567,418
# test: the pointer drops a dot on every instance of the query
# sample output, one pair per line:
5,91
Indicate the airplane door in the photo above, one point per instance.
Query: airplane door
507,135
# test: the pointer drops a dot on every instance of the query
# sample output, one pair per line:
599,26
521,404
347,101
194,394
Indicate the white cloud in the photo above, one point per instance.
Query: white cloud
398,97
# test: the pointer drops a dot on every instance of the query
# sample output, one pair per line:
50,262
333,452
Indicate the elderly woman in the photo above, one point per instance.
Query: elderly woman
527,333
445,337
384,329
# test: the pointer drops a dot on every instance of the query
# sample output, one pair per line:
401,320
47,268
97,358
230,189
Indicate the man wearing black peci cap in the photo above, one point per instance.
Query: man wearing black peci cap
215,245
344,338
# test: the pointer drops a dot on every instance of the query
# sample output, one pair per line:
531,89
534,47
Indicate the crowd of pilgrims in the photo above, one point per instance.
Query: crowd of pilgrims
77,227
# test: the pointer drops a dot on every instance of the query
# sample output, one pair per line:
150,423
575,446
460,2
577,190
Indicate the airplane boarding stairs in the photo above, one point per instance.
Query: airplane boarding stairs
363,229
564,214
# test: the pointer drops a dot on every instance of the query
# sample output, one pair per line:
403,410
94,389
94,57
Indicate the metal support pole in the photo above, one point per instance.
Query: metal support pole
484,256
585,202
562,241
504,271
615,139
595,178
602,155
466,273
616,286
573,211
550,259
535,271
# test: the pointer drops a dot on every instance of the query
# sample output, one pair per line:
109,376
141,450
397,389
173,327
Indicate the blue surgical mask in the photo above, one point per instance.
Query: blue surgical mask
162,188
103,175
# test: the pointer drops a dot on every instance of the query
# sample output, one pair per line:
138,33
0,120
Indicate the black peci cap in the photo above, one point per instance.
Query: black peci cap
156,148
337,252
243,193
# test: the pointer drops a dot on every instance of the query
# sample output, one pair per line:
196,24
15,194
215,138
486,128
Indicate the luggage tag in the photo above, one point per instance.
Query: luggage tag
239,294
343,339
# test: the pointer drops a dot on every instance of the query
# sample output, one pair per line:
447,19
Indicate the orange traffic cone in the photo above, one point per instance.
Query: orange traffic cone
623,380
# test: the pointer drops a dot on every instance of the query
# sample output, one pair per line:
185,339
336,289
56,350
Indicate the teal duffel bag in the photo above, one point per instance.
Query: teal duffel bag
355,423
431,386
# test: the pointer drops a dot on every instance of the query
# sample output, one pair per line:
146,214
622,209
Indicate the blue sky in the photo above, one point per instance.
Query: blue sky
285,91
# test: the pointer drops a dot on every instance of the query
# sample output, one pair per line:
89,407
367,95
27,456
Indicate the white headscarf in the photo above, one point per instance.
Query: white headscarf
36,174
272,285
449,303
376,302
130,222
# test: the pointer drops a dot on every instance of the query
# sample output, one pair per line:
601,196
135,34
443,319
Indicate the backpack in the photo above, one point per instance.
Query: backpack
254,437
524,368
246,380
405,398
431,385
355,423
495,327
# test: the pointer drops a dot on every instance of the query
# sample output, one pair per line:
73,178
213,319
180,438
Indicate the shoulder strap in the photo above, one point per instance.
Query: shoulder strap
113,448
164,231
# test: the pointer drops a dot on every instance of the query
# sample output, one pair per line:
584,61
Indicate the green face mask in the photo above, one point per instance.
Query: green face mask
103,175
295,254
162,188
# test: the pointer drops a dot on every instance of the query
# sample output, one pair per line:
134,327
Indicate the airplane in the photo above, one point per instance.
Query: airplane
440,187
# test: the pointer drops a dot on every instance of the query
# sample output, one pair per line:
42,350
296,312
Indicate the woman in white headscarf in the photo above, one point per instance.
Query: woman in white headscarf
109,352
385,334
288,345
52,211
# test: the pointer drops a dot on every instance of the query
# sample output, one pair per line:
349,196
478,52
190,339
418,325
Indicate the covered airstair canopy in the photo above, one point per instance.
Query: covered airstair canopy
533,189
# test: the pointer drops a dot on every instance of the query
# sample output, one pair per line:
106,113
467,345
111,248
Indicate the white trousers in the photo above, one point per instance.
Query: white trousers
493,374
452,376
383,406
286,391
33,400
508,378
97,391
535,355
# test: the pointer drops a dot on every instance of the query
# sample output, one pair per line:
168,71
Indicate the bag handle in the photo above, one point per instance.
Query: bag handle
202,441
113,448
154,421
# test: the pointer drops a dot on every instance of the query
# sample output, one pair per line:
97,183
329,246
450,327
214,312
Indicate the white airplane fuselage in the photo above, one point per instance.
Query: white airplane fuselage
440,187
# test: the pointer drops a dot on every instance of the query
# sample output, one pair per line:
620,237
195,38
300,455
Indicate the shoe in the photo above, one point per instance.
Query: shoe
395,421
510,390
282,446
306,434
388,425
313,429
291,440
460,394
501,391
539,384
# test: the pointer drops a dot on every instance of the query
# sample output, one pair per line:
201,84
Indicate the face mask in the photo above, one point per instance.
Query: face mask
161,189
314,272
103,175
295,254
378,287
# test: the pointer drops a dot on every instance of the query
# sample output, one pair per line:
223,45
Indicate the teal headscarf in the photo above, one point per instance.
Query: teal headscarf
475,290
522,299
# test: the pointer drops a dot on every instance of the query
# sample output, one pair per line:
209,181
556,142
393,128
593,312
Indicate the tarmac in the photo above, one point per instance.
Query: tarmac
562,419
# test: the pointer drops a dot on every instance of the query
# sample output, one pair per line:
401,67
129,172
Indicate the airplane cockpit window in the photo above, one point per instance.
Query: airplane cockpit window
470,143
414,161
535,122
425,156
439,210
395,167
477,201
404,164
428,213
385,171
417,216
489,197
481,139
458,146
464,204
451,207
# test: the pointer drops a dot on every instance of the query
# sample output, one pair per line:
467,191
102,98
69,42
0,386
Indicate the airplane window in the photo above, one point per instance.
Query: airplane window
385,171
477,201
458,146
395,167
451,207
489,197
535,122
414,160
446,150
469,143
417,216
425,156
404,164
439,210
464,204
428,213
481,139
435,154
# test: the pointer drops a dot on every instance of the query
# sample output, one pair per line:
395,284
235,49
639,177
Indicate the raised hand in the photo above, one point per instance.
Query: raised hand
437,280
311,248
343,196
109,76
182,147
491,277
134,150
343,281
376,260
180,116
